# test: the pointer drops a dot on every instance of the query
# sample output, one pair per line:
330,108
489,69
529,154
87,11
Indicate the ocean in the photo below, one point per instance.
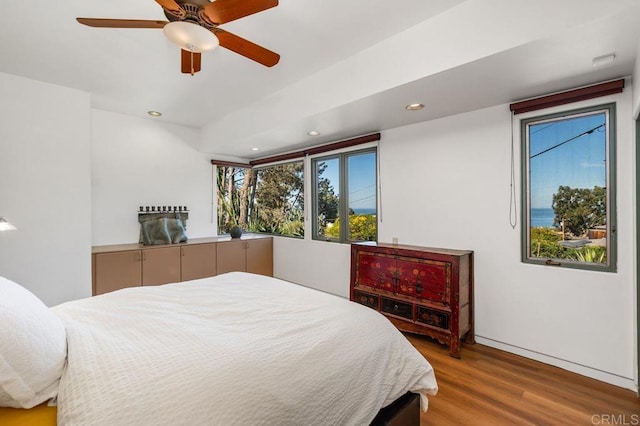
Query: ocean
365,211
542,217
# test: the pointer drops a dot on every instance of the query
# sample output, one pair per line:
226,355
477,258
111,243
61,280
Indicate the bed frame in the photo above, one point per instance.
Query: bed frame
404,411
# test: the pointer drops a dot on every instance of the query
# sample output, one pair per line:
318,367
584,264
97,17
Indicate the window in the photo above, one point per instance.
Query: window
268,199
345,197
569,189
231,187
278,205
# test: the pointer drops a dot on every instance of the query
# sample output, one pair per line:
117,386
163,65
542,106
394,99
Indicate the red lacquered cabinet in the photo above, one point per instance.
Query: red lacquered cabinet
426,291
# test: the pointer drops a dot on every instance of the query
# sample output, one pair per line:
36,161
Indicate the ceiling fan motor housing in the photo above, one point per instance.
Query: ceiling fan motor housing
194,13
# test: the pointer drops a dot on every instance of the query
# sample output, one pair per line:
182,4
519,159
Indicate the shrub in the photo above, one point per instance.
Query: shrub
544,243
362,226
591,254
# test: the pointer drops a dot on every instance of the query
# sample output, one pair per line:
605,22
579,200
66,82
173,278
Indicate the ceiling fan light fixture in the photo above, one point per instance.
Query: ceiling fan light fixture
190,37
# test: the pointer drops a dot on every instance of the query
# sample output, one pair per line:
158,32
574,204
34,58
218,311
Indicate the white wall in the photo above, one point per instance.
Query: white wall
138,162
445,183
636,86
45,188
317,264
460,194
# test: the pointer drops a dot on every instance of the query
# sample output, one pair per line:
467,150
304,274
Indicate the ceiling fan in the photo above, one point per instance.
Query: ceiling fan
194,26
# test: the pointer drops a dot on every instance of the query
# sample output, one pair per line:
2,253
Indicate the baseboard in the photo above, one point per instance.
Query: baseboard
593,373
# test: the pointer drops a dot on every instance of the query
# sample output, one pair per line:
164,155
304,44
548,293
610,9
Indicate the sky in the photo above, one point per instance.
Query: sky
560,154
361,179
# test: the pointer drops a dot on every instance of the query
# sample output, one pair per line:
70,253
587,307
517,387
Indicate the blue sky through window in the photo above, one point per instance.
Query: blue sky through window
570,152
362,181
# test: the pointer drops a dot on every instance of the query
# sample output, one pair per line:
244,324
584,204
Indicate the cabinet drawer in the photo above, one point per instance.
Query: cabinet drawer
395,307
433,317
366,299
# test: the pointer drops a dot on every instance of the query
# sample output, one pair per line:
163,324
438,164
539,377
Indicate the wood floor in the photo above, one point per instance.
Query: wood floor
491,387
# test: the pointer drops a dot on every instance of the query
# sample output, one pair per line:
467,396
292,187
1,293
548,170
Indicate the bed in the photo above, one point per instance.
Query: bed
237,348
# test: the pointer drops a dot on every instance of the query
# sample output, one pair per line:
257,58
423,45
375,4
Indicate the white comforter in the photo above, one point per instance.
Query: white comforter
236,349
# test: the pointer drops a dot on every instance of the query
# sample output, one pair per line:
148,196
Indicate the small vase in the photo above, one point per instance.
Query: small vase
235,232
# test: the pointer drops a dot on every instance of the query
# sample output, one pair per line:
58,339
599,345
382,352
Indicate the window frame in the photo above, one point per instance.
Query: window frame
610,187
343,205
216,193
256,171
283,163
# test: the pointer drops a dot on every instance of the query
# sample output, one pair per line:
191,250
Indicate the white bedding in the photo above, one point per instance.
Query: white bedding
236,349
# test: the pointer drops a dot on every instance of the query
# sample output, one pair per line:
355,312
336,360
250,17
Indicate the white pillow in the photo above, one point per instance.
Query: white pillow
33,348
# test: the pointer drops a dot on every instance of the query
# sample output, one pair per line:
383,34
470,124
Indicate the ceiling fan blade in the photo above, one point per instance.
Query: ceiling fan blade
191,62
172,7
246,48
223,11
121,23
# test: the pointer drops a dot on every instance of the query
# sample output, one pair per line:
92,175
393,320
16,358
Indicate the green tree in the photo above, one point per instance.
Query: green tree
580,208
327,202
230,180
267,200
279,200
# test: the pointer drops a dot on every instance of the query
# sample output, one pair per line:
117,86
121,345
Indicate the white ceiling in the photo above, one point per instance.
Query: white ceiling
347,67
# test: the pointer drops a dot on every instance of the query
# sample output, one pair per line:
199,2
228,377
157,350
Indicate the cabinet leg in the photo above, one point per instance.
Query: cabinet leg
454,347
470,337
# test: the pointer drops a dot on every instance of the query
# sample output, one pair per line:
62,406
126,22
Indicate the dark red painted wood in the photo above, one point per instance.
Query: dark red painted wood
318,149
567,97
421,290
230,164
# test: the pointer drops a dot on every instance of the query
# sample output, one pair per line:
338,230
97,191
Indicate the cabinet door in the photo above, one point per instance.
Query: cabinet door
114,271
260,256
375,270
160,265
424,278
231,256
198,261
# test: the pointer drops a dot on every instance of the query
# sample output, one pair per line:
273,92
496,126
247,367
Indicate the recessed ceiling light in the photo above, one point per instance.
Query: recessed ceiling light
255,149
154,113
313,133
604,59
414,107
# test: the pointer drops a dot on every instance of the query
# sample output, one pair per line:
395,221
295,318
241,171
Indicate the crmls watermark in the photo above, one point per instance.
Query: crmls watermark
616,419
